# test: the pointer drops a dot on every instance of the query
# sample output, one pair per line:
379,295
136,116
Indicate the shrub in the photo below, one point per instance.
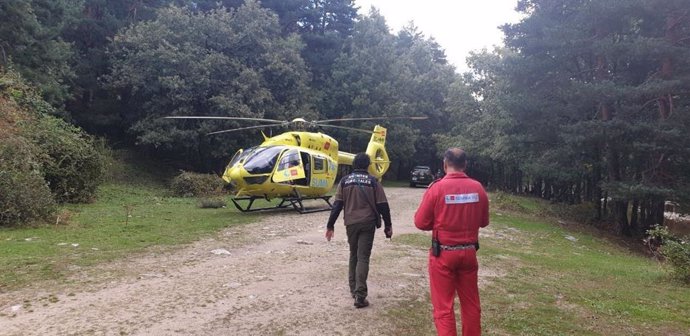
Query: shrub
70,161
675,250
506,202
62,155
24,195
200,185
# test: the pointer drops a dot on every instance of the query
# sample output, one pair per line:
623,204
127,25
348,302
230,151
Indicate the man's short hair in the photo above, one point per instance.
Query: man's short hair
361,161
455,157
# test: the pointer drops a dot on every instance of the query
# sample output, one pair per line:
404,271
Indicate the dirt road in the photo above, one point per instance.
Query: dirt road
277,276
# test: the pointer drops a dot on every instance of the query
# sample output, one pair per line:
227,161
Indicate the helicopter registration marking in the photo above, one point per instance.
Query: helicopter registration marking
319,183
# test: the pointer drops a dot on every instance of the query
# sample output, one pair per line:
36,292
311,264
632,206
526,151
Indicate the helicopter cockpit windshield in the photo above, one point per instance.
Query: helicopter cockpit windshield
262,160
240,155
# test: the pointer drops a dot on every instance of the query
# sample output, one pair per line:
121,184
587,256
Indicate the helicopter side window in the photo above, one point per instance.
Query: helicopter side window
262,160
289,160
319,165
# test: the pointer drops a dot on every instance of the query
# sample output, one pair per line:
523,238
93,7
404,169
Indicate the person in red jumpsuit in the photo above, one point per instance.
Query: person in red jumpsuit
454,208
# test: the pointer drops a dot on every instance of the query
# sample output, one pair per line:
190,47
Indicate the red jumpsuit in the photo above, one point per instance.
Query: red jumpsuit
454,207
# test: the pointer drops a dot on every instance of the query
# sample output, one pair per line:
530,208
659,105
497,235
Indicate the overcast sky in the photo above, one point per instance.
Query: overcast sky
459,26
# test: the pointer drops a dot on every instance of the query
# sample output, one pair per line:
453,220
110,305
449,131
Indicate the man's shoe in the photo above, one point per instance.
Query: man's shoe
361,302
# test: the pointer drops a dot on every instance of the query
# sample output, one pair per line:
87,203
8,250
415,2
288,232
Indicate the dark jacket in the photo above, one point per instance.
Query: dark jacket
357,194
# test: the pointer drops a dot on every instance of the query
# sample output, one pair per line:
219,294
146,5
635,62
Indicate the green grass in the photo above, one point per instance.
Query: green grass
547,284
132,213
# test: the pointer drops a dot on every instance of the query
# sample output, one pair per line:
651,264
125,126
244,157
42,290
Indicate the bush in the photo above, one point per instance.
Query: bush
70,162
506,202
61,154
197,185
24,195
675,250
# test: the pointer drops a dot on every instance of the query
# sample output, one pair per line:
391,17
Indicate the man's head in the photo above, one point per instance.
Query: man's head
361,161
454,159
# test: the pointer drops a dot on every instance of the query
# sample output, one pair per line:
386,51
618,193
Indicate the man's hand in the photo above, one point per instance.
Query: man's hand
329,234
388,230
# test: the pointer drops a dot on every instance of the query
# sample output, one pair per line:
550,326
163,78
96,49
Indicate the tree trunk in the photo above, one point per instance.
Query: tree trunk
634,215
620,214
671,35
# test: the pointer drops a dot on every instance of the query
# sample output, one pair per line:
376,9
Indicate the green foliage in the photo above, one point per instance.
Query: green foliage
28,102
189,184
676,250
39,154
70,162
221,62
24,194
30,40
90,33
379,74
506,202
585,102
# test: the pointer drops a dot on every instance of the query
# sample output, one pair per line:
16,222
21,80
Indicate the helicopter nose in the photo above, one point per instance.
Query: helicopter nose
232,176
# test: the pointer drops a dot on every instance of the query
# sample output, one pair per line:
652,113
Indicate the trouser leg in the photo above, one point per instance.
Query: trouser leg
442,285
468,292
365,242
353,241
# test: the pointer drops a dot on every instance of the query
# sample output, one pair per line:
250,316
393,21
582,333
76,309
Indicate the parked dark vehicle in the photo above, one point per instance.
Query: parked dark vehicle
421,175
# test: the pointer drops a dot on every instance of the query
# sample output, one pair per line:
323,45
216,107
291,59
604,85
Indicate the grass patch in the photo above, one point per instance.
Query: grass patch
132,213
411,317
556,281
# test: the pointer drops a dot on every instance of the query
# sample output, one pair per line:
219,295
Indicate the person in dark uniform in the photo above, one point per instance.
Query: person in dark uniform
454,208
364,201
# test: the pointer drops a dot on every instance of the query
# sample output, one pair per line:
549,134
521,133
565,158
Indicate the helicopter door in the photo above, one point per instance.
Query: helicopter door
307,169
290,167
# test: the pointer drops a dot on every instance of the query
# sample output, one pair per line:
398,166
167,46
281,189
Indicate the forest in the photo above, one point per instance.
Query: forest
587,103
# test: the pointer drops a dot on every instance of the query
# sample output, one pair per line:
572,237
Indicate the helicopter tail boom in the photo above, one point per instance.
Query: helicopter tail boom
345,158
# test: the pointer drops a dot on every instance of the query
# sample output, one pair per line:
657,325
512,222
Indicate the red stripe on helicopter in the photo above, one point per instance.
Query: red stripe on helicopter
327,145
293,172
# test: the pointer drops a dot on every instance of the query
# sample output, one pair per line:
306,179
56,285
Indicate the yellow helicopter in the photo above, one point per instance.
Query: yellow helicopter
297,165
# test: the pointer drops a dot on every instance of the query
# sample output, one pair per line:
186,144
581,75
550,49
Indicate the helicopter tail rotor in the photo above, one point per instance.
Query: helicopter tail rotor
377,152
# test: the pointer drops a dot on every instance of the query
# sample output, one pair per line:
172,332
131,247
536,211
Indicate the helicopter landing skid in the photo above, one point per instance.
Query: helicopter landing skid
295,202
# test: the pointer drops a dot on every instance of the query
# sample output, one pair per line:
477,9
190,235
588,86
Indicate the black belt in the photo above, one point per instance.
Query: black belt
457,247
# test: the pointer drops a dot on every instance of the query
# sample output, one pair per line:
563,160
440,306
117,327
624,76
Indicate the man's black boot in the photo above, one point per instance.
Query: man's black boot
361,302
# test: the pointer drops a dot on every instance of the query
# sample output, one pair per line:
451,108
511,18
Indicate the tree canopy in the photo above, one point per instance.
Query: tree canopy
586,103
595,97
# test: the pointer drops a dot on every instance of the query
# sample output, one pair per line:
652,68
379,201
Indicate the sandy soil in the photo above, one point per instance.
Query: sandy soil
278,277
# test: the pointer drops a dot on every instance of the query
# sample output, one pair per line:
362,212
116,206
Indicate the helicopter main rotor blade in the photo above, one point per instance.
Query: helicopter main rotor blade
225,118
347,128
246,128
371,118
